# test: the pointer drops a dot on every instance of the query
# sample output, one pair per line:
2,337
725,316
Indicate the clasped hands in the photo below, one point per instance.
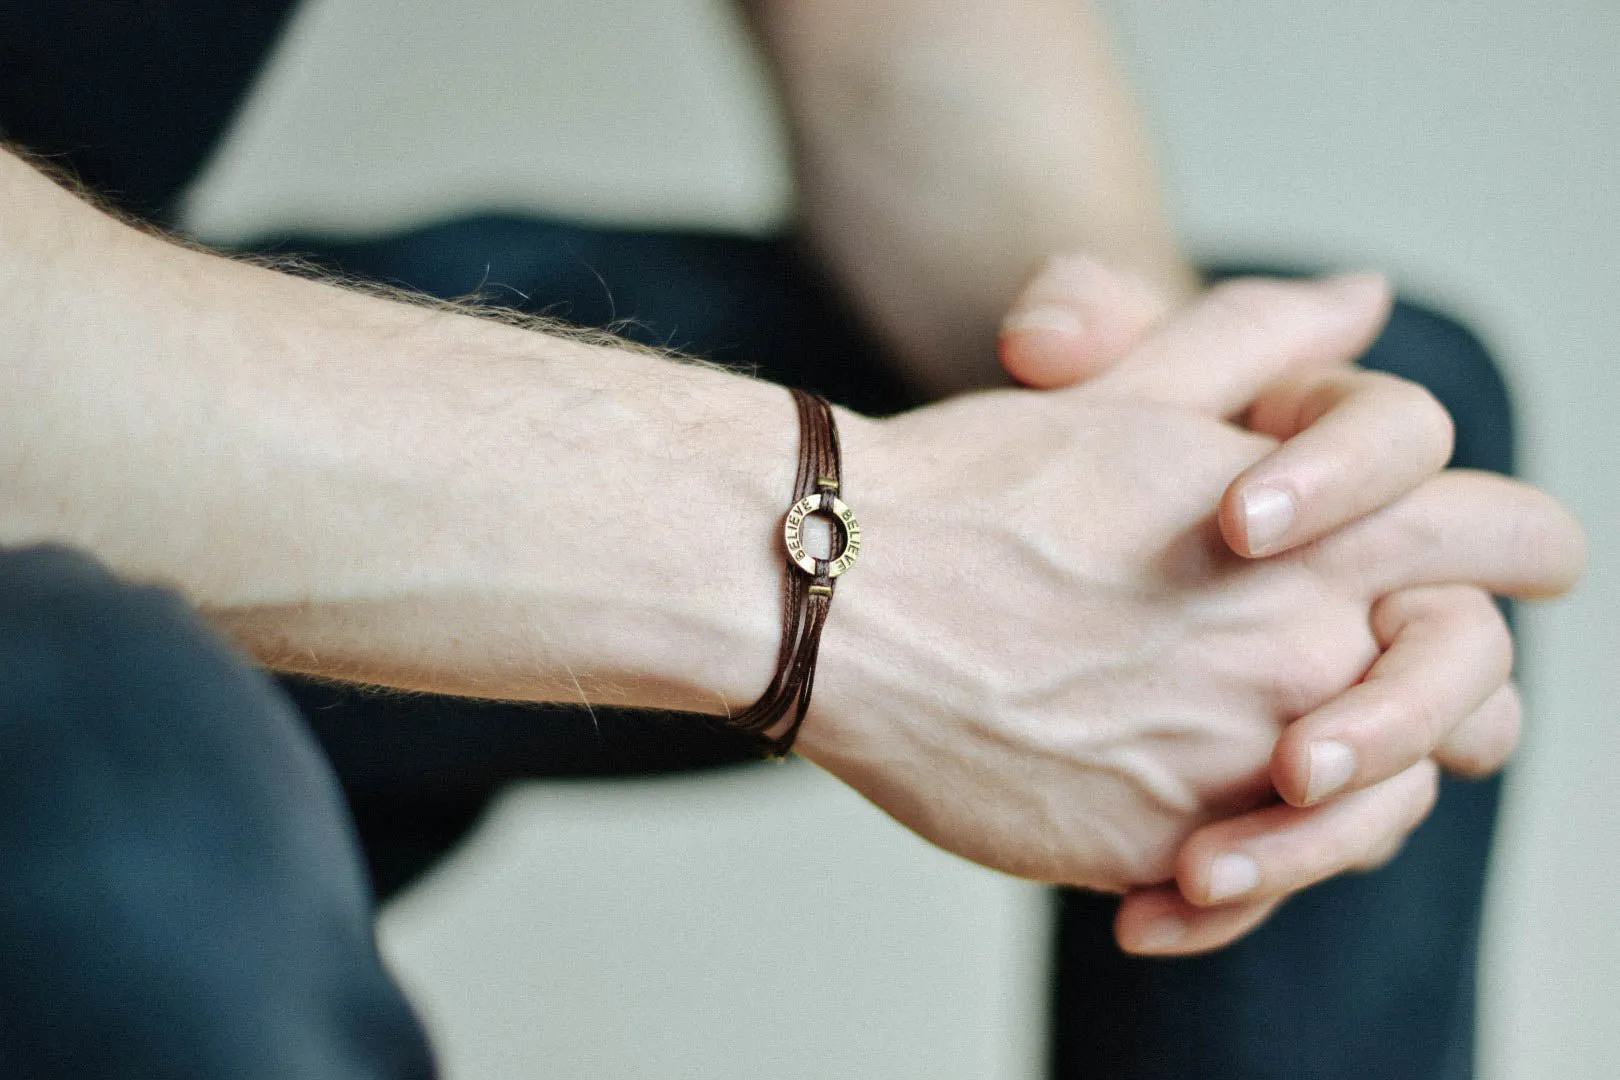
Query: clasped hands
1104,636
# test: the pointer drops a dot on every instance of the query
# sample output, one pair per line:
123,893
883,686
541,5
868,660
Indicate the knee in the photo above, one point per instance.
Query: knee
68,626
1449,358
56,594
121,709
151,779
94,670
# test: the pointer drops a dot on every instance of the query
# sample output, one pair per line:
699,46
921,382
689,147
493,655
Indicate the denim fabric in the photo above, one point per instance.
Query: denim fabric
181,893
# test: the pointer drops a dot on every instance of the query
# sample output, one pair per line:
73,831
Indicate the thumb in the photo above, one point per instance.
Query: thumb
1074,319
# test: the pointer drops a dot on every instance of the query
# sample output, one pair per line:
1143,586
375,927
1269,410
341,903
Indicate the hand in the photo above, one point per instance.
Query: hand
1049,661
1357,438
1354,440
1021,706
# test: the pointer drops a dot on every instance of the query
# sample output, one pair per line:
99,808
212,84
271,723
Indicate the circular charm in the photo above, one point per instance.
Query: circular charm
793,533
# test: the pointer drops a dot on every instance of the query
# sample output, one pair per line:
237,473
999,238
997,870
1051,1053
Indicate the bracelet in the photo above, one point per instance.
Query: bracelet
809,583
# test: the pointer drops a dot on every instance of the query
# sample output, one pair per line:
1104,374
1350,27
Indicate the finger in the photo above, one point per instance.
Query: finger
1460,526
1077,316
1446,651
1269,853
1244,335
1160,922
1481,745
1353,441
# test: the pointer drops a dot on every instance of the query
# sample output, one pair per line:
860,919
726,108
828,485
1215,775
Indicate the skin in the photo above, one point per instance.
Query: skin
1440,686
1048,659
947,149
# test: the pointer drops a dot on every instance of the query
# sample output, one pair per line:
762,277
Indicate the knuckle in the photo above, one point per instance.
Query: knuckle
1457,607
1423,713
1380,854
1402,535
1422,414
1500,637
1336,853
1549,545
1470,603
1321,395
1488,738
1433,420
1383,846
1195,862
1472,606
1390,613
1512,728
1428,794
1406,722
1318,677
1319,666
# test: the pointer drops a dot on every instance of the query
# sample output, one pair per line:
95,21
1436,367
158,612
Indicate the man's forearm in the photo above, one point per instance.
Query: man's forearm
945,147
1061,687
368,489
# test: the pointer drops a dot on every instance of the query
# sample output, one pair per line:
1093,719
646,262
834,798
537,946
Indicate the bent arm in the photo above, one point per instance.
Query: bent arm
946,147
355,487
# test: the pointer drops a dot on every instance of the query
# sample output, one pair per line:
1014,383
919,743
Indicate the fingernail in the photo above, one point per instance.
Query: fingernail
1051,320
1268,513
1332,765
1163,935
1232,875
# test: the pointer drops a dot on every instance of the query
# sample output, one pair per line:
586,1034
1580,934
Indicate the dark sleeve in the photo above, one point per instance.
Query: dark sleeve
130,96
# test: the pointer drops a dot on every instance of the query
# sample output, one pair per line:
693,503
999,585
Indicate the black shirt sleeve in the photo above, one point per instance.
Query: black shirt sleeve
129,96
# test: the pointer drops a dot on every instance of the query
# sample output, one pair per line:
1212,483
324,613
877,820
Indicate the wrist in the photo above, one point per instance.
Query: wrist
687,614
364,489
852,686
739,602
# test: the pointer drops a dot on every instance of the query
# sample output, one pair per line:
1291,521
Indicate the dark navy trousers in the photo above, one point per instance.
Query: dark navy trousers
182,893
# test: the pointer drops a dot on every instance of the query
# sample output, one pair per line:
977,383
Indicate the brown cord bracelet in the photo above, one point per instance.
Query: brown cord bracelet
809,582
